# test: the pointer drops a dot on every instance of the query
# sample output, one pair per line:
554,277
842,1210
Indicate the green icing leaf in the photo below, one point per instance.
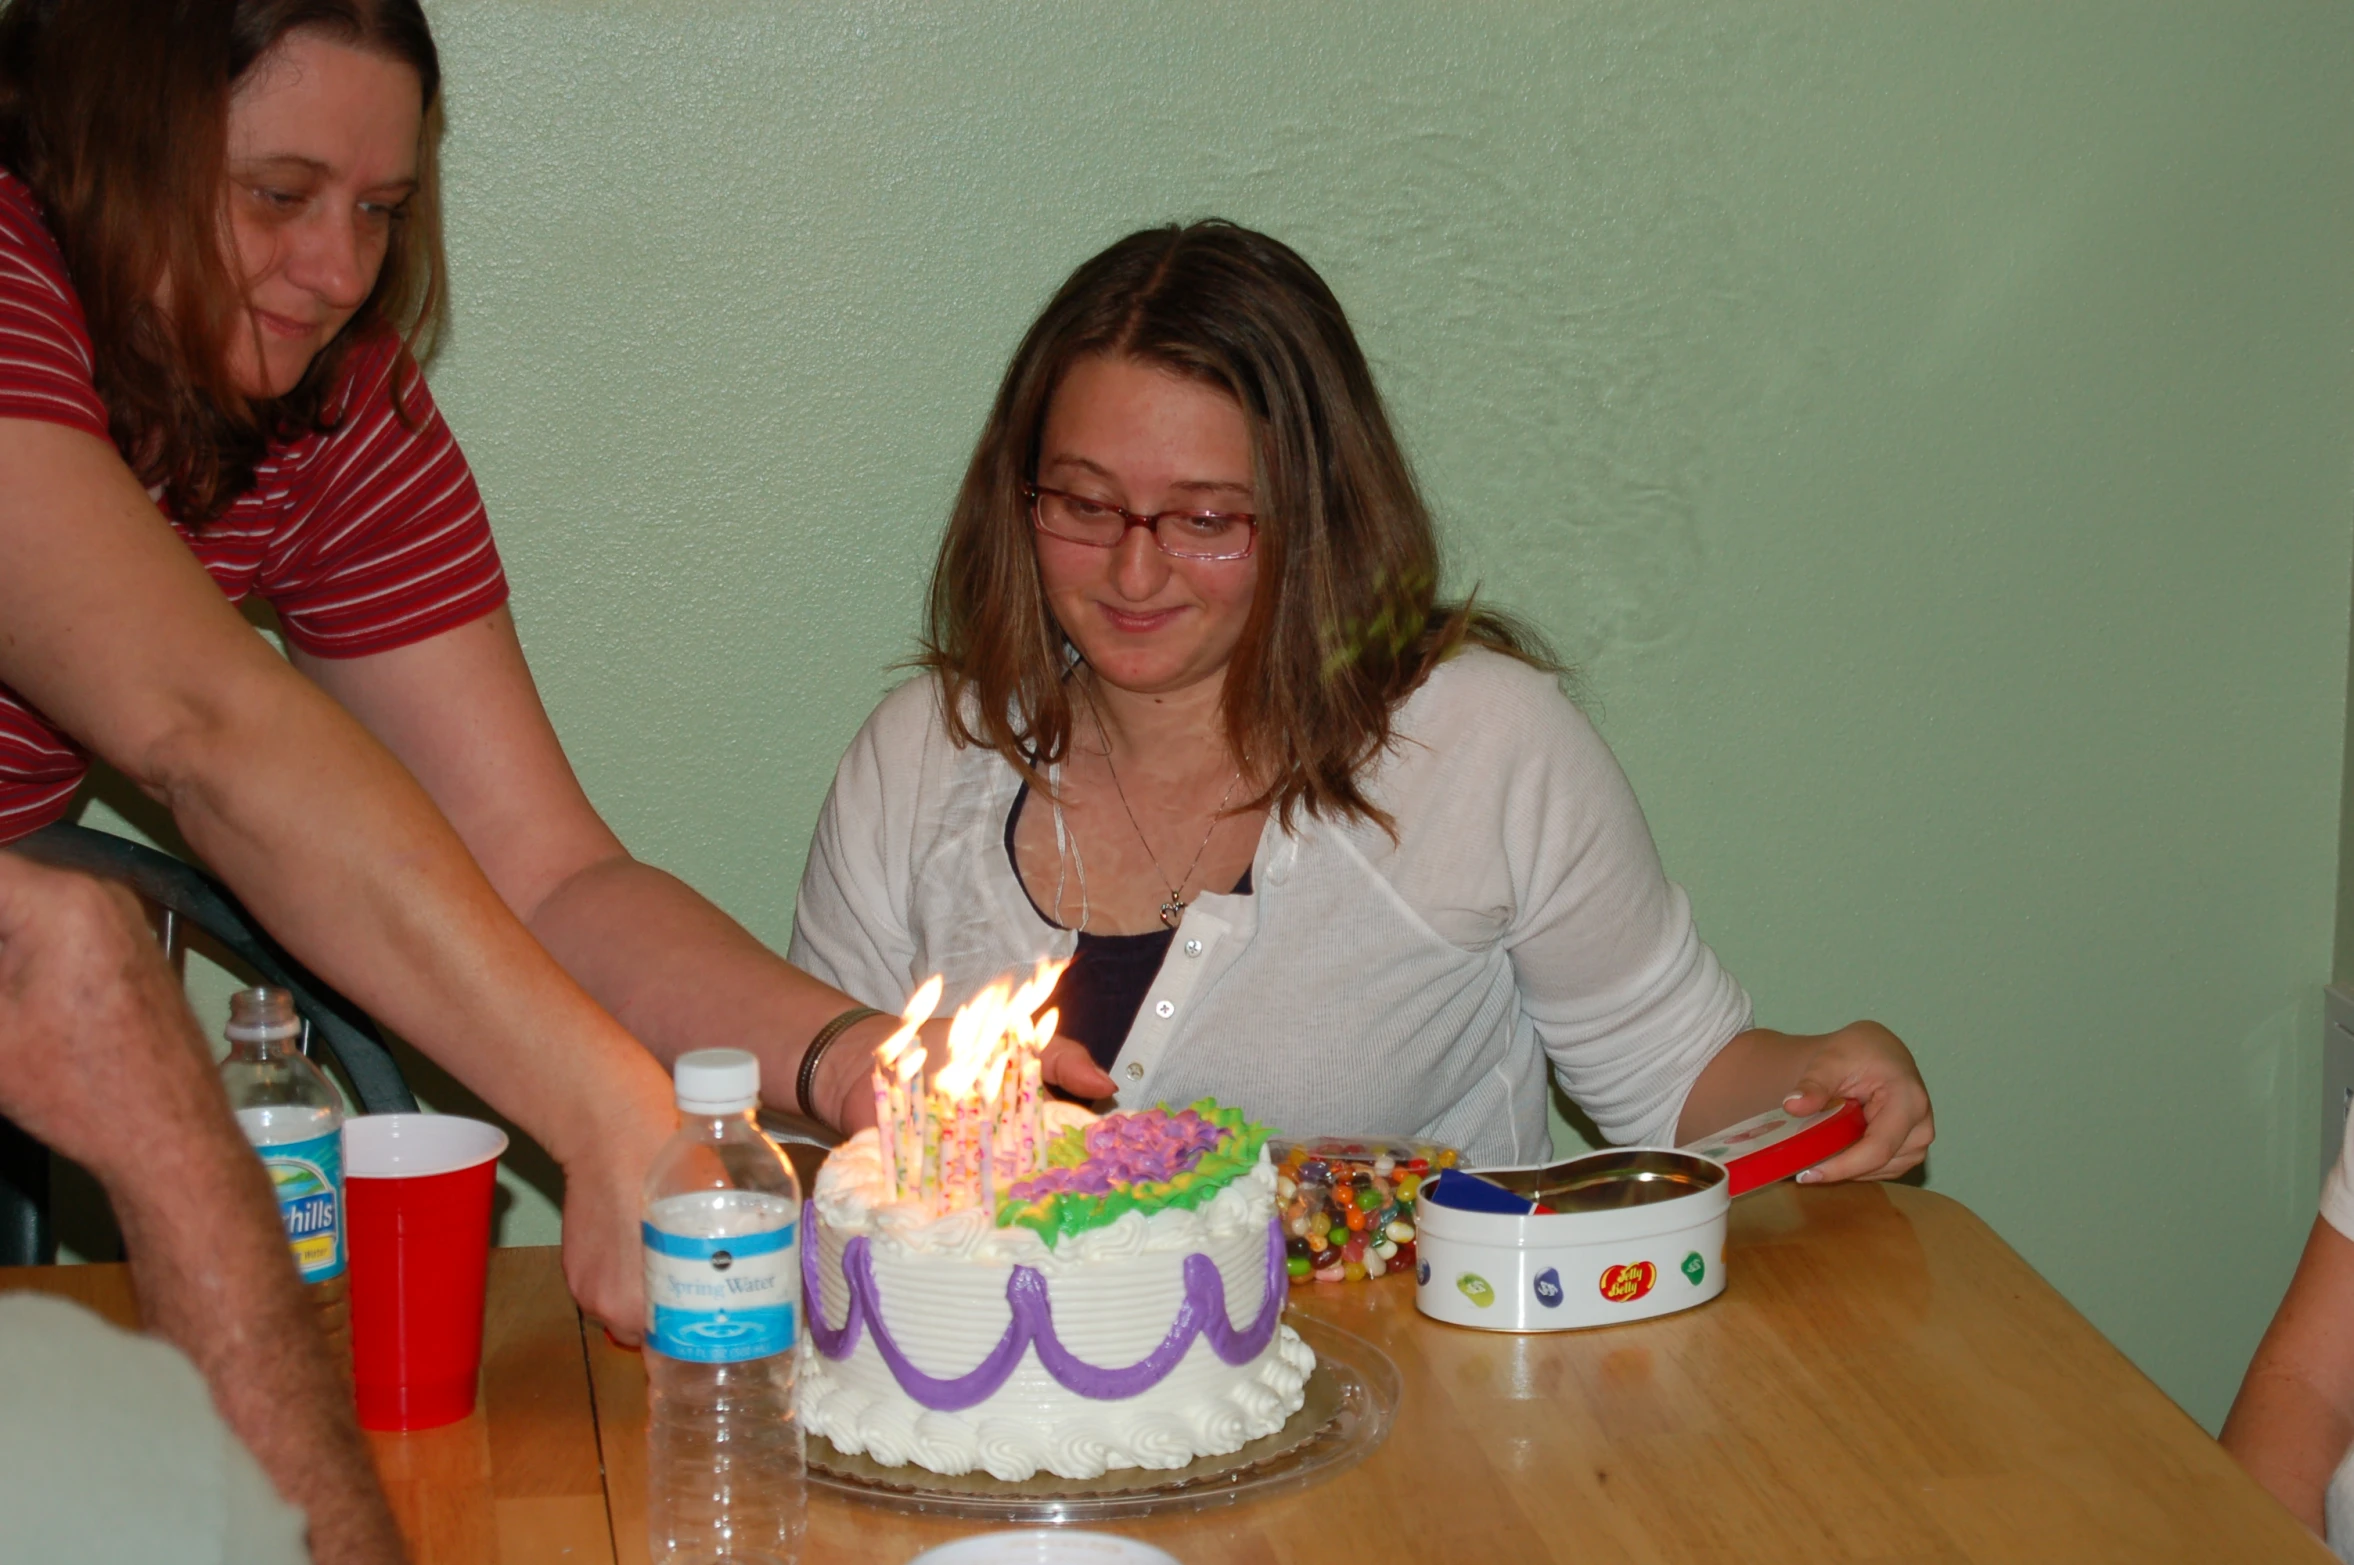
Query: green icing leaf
1064,1212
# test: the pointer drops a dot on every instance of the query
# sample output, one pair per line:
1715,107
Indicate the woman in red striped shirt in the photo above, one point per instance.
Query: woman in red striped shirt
219,269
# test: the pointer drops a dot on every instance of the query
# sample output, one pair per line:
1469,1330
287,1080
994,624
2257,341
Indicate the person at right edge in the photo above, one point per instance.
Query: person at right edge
225,1429
2292,1425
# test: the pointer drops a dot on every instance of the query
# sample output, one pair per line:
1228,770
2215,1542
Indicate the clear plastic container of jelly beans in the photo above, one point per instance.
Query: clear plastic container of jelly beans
1348,1203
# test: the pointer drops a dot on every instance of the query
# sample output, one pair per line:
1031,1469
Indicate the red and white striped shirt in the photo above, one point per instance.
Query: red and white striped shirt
364,539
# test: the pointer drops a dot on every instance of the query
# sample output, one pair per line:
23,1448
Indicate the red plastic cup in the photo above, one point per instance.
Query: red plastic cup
417,1191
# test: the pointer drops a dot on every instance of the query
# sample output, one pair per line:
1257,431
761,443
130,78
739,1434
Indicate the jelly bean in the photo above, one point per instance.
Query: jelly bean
1318,1243
1383,1164
1342,1195
1298,1226
1297,1266
1446,1159
1285,1187
1418,1165
1400,1230
1354,1250
1385,1249
1353,1272
1356,1222
1375,1265
1404,1257
1295,1247
1315,1172
1407,1185
1330,1273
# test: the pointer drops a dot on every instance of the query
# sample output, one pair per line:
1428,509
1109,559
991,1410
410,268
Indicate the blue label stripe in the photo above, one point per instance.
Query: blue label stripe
741,1246
723,1336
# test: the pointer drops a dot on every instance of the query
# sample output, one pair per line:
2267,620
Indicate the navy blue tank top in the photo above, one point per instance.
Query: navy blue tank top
1102,989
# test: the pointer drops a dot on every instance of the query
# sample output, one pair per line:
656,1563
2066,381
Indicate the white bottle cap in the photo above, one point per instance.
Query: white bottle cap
716,1081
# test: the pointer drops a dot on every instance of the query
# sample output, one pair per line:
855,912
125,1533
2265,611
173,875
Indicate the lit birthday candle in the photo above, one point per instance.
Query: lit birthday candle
1034,1086
920,1007
911,1089
947,1137
990,1083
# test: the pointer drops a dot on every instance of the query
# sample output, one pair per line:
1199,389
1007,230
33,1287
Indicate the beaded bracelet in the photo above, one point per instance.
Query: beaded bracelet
806,1082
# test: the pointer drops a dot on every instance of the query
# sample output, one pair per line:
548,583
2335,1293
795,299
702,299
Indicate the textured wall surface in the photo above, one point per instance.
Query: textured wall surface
1929,430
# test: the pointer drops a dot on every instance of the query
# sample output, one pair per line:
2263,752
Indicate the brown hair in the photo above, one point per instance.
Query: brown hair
1347,621
115,113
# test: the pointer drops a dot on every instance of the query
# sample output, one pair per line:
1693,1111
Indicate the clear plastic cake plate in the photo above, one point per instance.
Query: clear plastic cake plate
1351,1399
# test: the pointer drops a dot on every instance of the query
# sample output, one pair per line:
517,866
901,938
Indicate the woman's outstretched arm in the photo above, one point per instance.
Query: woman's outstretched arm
113,630
461,710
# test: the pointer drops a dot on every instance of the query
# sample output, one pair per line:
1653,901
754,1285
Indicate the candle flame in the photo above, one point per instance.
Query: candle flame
919,1011
985,1106
989,1027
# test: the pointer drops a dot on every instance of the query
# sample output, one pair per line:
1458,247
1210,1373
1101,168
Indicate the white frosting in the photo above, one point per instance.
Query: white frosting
941,1282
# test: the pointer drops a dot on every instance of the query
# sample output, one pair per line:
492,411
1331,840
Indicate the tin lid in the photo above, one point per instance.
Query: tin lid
1776,1144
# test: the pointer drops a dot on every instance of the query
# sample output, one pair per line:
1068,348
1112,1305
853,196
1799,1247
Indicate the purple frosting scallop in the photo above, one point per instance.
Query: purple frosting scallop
1202,1313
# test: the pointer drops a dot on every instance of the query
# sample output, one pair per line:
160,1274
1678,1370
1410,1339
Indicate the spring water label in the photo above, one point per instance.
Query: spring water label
724,1300
308,1178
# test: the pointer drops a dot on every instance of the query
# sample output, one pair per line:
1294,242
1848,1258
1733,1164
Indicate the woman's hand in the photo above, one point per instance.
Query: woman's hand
1067,1064
604,1197
1867,1063
1863,1061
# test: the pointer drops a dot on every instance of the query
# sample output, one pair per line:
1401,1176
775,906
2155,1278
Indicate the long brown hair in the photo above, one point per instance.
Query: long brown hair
1347,621
115,113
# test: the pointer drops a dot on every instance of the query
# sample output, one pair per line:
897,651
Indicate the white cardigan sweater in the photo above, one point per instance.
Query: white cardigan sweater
1416,987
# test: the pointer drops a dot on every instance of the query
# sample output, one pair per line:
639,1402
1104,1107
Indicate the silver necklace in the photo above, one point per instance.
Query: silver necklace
1173,909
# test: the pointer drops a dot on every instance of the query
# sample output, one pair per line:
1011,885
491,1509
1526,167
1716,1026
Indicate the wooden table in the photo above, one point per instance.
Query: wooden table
1883,1380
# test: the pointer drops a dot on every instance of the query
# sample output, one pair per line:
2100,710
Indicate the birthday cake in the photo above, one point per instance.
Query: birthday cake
1115,1302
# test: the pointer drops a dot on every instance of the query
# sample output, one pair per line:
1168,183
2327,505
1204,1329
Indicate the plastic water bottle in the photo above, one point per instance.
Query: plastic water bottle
723,1291
291,1113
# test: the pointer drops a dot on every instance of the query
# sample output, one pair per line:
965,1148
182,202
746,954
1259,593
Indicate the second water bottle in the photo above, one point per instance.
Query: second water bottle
723,1286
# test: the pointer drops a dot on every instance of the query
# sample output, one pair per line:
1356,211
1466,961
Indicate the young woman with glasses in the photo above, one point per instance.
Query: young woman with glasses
1320,844
220,269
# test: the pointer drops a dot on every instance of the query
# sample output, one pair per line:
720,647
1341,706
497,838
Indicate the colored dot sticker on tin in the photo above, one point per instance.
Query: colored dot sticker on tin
1694,1268
1548,1288
1422,1274
1476,1289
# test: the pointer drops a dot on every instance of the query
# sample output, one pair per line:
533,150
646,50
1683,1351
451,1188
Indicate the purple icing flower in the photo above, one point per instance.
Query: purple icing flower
1149,1146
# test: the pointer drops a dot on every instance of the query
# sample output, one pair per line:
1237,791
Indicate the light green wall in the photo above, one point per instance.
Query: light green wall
1928,427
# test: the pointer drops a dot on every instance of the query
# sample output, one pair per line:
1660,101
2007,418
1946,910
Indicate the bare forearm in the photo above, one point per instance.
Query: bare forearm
209,1260
680,974
1752,1073
374,890
2293,1420
2289,1437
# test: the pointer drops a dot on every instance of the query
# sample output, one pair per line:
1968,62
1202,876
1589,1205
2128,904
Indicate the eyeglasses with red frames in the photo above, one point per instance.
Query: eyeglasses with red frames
1185,535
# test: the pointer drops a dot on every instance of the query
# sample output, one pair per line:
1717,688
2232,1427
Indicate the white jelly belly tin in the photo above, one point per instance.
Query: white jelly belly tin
1639,1233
